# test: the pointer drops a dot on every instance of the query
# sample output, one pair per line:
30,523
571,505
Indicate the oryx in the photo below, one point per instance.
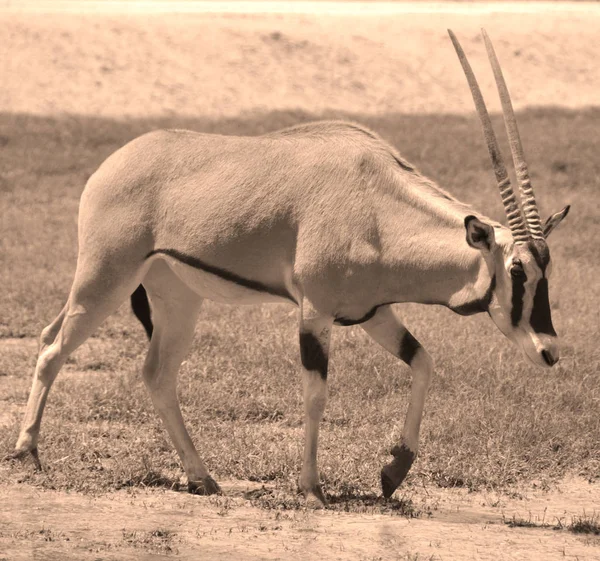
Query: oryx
325,216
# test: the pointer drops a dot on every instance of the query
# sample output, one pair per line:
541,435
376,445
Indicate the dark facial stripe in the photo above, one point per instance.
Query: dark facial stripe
312,354
408,347
541,318
518,292
541,254
222,273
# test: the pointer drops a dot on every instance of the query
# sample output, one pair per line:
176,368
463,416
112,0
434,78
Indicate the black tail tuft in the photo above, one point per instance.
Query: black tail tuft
141,309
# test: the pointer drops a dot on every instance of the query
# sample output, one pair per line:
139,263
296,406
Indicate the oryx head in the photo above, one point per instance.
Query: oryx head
518,257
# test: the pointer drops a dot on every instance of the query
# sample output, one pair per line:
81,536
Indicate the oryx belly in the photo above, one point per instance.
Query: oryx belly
225,286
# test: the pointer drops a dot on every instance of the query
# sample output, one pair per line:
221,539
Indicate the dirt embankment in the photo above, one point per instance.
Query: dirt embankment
221,65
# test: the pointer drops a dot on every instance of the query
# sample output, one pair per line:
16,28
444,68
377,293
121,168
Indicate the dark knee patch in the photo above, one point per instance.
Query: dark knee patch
312,354
408,347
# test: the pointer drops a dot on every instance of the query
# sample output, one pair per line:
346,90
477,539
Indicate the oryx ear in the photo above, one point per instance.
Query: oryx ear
555,220
479,234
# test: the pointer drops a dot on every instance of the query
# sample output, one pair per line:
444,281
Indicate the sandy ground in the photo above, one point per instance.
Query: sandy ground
224,65
148,525
221,65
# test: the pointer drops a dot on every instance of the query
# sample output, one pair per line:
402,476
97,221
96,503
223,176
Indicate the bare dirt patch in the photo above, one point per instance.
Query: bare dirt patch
221,65
255,521
150,524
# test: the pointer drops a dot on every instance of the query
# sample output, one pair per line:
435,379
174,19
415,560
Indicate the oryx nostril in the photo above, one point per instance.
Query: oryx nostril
548,358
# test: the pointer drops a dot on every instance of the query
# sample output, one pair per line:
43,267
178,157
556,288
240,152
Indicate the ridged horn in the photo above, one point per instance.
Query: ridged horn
532,215
516,222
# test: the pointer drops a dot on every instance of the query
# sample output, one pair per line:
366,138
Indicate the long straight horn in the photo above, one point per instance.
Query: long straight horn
532,215
509,200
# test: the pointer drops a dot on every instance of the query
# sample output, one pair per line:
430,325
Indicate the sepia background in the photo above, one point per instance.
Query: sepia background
508,451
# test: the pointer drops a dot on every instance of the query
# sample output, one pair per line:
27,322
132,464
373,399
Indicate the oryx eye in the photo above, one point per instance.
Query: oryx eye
517,269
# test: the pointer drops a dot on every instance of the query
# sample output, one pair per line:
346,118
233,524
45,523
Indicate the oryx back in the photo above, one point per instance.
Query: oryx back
243,219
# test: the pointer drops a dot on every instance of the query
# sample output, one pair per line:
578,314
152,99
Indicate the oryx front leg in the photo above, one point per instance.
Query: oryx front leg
175,310
387,329
315,332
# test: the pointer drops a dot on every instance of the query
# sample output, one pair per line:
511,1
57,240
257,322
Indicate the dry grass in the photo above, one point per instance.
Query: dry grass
492,419
583,524
159,540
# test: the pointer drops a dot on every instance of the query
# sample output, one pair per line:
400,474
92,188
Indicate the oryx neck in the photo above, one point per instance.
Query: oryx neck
430,255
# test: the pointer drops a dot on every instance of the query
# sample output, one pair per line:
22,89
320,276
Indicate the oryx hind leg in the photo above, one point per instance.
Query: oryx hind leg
387,329
175,310
315,333
95,294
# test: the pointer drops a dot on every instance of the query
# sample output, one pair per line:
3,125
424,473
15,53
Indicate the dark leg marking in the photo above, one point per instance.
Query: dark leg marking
141,309
394,473
408,347
223,273
541,318
312,354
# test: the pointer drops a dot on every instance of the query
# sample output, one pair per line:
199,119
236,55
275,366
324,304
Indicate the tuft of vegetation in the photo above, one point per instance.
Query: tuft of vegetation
44,534
519,522
346,500
585,525
157,541
492,420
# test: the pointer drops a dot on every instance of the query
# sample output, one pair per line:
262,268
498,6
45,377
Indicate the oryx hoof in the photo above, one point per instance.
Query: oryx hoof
393,474
315,498
22,454
205,486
